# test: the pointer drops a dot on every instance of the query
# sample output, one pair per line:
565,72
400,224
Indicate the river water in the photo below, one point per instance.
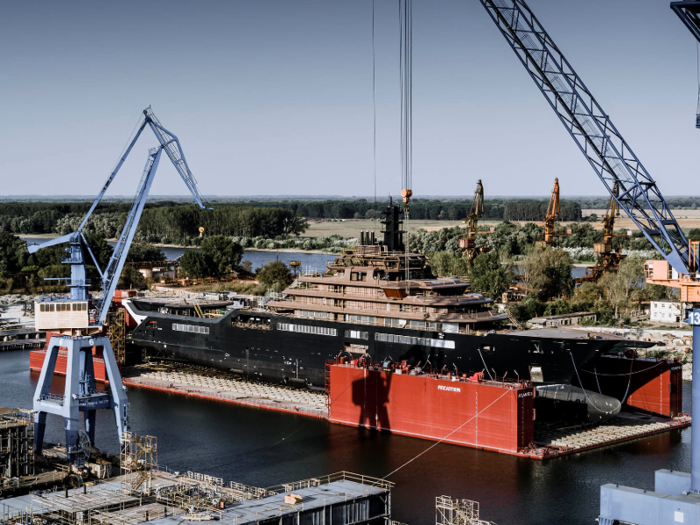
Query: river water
309,261
263,448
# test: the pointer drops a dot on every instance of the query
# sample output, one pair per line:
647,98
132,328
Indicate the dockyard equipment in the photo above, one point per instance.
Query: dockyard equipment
592,129
609,258
79,320
615,164
476,211
550,220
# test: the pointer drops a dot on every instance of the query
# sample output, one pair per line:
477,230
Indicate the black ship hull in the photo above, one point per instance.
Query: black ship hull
279,348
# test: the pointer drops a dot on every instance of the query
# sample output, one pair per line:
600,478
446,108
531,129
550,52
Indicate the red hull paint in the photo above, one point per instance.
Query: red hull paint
487,415
662,394
37,357
655,385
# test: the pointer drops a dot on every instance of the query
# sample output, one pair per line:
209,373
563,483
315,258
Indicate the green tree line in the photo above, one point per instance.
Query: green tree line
165,222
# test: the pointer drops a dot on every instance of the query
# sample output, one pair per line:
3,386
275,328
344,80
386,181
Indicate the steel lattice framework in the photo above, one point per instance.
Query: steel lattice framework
591,128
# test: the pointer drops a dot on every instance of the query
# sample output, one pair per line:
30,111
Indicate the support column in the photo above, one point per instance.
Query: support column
71,404
120,403
43,387
694,319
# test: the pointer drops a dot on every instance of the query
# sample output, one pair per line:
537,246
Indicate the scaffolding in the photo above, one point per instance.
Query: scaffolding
450,511
16,445
116,331
138,464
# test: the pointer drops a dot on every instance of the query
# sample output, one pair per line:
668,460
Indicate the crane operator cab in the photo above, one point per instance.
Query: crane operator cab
61,314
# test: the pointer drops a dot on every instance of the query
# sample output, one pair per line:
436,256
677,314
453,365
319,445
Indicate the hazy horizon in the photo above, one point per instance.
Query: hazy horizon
275,98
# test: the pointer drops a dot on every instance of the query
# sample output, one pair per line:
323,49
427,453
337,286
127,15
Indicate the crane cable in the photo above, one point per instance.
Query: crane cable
374,105
406,83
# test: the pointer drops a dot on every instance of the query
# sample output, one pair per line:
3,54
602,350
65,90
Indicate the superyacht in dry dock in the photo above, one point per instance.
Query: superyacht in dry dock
377,301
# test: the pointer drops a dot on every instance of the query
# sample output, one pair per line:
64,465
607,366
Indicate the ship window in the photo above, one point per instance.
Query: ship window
362,319
356,334
415,341
307,329
417,325
191,328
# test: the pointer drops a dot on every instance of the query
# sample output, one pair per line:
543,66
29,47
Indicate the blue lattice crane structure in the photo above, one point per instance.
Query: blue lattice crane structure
79,319
689,12
677,496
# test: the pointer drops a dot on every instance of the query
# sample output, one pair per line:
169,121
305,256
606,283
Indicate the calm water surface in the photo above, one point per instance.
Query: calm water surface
309,261
263,448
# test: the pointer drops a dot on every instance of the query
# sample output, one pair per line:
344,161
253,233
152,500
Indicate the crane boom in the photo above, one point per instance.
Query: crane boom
113,271
591,128
110,275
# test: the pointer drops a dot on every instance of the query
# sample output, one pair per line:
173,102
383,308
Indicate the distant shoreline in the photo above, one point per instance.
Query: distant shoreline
161,245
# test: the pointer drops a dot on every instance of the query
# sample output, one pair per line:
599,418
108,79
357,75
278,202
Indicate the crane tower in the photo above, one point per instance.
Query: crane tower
79,319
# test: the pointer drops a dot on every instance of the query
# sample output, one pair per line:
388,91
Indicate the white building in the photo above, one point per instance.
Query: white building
665,311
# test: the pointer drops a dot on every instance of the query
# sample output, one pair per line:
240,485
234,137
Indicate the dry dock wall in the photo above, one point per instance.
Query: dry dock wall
487,414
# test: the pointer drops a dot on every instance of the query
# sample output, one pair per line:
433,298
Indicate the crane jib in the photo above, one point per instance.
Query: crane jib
110,275
591,128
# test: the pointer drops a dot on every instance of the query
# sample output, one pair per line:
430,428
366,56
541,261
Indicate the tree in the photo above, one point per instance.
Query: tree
619,286
448,264
275,275
546,273
489,276
131,277
100,248
221,255
144,252
192,264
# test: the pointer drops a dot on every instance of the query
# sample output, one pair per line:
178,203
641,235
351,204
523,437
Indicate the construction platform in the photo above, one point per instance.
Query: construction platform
167,499
206,384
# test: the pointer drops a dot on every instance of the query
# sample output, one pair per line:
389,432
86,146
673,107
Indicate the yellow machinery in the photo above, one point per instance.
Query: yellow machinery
609,259
550,220
472,221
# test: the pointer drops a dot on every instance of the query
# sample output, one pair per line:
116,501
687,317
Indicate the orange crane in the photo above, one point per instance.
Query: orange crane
553,212
472,221
609,259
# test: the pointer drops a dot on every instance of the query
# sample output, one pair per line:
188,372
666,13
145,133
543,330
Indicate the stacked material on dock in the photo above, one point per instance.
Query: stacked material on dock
348,498
16,446
624,427
186,380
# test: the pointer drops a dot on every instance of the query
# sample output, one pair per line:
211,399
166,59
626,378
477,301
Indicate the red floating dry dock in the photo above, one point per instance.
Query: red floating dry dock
482,414
489,415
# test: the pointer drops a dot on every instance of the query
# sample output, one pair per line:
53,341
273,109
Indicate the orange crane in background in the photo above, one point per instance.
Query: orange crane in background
472,221
609,259
550,220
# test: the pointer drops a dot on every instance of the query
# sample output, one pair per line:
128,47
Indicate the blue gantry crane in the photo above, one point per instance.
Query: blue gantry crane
79,319
677,495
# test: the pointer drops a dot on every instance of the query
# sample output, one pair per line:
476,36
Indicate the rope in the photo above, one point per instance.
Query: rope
374,104
448,435
131,136
620,375
629,382
406,83
486,367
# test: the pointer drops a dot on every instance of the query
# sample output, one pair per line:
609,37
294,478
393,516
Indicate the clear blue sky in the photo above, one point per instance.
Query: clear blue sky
274,97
